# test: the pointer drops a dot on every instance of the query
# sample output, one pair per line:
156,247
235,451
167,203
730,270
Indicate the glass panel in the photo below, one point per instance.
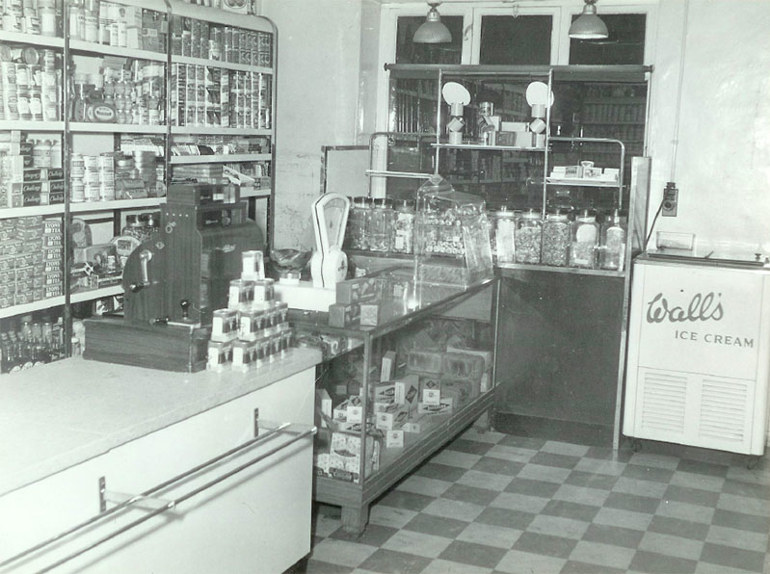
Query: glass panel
407,52
524,40
625,44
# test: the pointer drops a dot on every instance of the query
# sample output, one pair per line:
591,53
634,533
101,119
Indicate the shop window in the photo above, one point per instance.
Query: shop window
625,44
407,52
516,41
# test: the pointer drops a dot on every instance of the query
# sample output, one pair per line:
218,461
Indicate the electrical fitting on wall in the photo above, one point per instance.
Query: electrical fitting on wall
670,200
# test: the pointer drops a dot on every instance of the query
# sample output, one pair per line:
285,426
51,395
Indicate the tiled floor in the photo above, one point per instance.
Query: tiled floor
494,503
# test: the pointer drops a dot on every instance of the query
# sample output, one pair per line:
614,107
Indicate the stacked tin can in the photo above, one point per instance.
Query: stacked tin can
26,17
30,85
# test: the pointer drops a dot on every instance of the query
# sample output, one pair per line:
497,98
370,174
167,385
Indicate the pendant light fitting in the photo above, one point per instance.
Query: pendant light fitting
588,26
432,31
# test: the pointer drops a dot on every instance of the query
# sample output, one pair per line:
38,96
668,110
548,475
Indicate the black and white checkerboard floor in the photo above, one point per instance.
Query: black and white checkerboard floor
496,503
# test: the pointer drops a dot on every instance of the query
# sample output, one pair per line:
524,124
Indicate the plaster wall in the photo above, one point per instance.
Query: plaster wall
319,62
714,140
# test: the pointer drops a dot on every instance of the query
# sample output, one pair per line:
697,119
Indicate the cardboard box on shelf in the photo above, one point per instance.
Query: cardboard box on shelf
391,418
430,389
394,439
407,391
445,406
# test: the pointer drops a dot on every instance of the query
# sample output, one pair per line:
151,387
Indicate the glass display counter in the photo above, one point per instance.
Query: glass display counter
402,375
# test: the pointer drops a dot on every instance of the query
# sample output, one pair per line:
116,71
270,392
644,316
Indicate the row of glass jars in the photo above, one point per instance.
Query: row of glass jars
381,225
561,239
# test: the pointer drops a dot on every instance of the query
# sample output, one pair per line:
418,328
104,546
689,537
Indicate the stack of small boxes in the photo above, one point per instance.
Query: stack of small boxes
22,182
254,329
30,259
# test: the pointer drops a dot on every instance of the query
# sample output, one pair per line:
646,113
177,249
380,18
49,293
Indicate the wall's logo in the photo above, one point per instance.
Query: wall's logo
702,307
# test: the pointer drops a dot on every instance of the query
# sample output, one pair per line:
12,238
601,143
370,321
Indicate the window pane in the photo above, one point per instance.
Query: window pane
523,40
625,44
407,52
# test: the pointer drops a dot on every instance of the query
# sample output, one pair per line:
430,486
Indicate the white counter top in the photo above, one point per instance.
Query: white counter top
59,415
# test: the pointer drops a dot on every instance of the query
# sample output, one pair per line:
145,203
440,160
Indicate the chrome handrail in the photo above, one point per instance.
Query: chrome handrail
271,433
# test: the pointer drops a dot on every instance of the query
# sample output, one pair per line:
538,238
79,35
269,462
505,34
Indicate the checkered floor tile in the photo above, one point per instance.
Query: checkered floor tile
491,503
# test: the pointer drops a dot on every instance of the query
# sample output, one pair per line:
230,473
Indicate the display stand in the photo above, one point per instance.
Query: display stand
357,493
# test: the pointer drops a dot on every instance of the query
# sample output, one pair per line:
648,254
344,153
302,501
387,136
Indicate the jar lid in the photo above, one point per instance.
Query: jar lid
531,213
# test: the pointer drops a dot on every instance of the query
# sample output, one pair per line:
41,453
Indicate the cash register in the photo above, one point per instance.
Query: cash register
176,279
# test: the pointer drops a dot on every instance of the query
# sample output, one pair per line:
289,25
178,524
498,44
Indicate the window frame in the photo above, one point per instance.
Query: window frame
561,12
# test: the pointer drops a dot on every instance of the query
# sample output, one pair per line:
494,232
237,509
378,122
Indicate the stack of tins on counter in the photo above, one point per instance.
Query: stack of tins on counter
30,341
254,329
30,259
30,169
213,96
31,84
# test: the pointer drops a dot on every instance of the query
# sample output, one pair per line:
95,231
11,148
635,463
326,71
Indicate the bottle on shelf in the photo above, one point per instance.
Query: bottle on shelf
612,247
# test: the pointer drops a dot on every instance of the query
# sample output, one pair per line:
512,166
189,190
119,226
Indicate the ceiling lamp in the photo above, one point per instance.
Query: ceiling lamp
588,26
432,31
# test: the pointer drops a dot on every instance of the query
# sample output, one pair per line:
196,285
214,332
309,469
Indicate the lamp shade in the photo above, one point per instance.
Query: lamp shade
588,26
432,31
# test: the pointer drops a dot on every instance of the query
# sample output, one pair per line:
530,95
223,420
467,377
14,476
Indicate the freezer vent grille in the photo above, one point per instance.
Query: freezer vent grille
663,402
724,409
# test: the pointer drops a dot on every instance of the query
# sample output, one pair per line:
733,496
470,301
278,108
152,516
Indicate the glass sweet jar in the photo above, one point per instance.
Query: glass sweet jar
380,226
585,240
556,238
528,236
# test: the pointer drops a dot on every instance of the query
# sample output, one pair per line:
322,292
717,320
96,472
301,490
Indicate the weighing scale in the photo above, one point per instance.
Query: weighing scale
329,264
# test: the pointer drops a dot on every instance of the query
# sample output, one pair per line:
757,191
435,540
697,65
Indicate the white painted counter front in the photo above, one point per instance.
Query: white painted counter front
66,418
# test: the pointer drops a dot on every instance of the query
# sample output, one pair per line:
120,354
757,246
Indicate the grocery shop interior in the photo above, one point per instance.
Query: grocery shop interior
384,286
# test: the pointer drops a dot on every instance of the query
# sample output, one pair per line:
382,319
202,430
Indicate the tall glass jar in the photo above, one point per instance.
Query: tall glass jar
556,238
403,229
612,247
381,226
355,232
585,240
503,224
528,237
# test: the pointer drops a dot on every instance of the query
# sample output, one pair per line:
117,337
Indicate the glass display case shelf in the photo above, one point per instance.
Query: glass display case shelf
116,204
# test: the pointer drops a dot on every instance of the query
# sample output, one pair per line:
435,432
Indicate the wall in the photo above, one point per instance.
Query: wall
319,85
722,161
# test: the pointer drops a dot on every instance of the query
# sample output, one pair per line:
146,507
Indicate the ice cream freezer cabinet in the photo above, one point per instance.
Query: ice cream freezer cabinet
699,354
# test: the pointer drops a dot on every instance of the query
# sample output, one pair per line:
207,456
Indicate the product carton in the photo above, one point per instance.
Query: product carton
424,362
388,367
407,391
391,418
430,390
445,406
394,439
324,404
